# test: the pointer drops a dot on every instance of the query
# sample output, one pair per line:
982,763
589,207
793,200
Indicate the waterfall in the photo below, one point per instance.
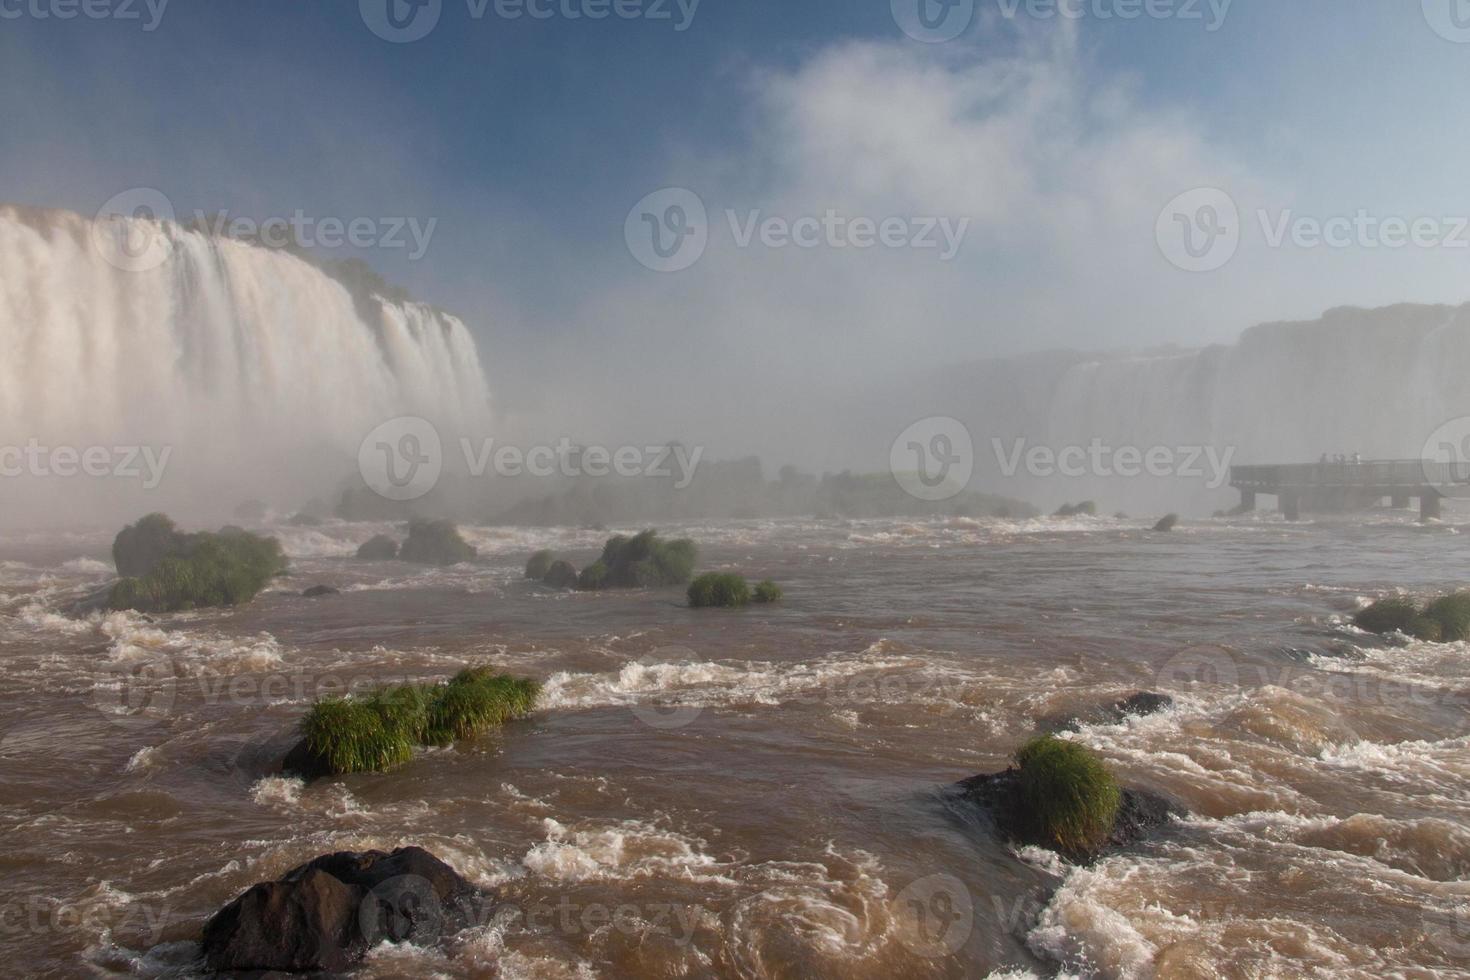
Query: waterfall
259,371
1378,383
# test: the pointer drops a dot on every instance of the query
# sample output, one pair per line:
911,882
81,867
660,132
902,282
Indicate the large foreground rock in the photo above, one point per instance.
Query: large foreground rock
325,914
999,794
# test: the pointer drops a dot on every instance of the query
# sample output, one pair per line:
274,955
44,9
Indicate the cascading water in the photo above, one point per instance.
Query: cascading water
1378,383
259,372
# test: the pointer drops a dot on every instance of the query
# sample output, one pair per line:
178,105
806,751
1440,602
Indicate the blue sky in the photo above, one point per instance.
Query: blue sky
528,141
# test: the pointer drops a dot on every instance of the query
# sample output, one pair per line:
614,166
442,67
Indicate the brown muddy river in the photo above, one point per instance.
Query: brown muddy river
761,793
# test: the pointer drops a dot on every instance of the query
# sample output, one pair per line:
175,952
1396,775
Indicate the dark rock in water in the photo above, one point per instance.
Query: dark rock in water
317,591
324,915
1139,703
302,761
561,575
435,543
305,520
1167,523
999,794
1143,703
380,548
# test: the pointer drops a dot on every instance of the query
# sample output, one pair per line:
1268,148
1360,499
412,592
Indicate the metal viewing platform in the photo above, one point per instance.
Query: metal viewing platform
1353,485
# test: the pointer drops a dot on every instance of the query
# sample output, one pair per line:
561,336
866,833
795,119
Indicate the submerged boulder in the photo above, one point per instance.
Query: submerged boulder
1138,704
325,914
379,548
561,575
317,591
1167,523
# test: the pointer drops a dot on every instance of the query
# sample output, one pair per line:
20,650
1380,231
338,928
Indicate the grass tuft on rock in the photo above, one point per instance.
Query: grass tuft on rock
540,564
719,590
201,571
1070,798
766,591
378,731
476,699
356,735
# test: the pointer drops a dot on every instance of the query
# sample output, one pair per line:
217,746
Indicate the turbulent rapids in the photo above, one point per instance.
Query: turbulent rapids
262,372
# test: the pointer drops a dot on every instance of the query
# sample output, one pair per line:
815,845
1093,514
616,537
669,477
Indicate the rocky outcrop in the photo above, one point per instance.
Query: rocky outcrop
1140,813
325,914
380,548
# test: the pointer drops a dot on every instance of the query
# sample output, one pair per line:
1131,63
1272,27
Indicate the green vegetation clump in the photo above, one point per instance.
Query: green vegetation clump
138,548
476,699
766,591
1070,798
593,577
721,590
378,548
540,564
199,571
642,561
355,735
1446,619
1452,614
435,543
378,731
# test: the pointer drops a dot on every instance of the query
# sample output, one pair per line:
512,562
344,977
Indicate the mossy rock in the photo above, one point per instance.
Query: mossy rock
435,543
198,571
1452,614
539,564
138,548
378,548
642,561
1398,615
561,575
1061,796
719,590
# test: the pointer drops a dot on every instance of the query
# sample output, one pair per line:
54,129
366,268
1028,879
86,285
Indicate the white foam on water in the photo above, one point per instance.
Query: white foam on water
281,791
619,850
